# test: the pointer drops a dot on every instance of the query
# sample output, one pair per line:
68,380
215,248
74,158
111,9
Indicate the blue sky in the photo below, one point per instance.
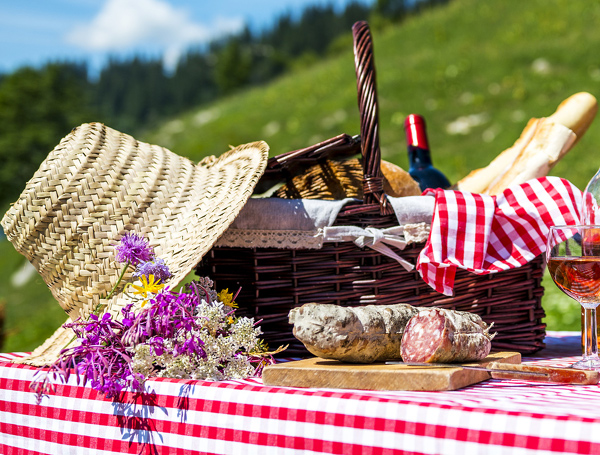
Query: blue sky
33,32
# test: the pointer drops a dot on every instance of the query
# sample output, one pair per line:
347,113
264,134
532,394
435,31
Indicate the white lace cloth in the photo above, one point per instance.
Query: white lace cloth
307,223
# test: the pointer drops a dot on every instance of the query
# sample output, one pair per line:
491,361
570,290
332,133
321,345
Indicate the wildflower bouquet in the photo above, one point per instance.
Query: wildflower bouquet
193,333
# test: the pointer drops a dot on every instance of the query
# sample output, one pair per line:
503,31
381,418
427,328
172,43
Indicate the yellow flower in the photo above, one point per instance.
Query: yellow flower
227,298
149,286
262,349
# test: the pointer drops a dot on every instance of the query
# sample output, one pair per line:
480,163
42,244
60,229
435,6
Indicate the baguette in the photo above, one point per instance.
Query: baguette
479,180
548,145
576,113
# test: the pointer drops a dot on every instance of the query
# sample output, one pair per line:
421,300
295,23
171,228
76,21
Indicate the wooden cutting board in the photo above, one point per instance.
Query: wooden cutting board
318,372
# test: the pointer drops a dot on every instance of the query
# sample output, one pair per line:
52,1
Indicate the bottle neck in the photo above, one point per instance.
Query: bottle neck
418,157
416,141
416,135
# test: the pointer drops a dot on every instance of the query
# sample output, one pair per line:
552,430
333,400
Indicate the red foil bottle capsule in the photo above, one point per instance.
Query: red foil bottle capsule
419,157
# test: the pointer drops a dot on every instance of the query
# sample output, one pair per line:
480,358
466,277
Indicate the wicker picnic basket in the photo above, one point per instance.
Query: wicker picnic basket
275,280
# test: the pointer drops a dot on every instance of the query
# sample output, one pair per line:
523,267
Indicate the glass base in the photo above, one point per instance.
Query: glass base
587,363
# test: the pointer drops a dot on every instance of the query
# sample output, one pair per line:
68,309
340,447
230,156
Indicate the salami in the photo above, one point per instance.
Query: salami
352,334
440,335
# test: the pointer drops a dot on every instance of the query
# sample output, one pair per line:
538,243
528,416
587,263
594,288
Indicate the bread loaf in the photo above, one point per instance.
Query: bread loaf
397,182
576,113
540,146
548,145
479,180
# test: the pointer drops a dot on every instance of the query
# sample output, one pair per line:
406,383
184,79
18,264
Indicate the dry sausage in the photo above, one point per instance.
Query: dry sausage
361,334
440,335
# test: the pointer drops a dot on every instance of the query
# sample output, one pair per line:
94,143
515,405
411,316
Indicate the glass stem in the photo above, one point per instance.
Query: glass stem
590,345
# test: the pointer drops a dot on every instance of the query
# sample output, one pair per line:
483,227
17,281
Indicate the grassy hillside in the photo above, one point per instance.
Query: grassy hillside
477,71
31,312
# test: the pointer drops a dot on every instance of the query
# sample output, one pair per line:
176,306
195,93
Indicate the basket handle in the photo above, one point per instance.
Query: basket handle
369,118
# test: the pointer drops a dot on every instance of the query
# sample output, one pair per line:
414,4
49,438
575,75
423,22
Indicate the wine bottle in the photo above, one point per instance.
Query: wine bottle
420,165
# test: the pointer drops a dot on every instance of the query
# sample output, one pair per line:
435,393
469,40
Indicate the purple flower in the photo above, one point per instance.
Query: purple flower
157,344
107,349
156,267
133,249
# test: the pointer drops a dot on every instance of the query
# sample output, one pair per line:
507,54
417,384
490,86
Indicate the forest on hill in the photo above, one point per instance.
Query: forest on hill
38,106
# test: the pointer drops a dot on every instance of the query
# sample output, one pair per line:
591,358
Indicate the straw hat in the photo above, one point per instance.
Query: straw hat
99,184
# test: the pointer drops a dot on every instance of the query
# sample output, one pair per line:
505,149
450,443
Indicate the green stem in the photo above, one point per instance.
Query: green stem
110,294
112,291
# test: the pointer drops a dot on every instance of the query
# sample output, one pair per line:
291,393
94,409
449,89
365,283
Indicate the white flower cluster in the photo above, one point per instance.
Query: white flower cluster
226,342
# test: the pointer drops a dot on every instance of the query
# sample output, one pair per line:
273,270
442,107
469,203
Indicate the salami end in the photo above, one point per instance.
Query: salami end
445,336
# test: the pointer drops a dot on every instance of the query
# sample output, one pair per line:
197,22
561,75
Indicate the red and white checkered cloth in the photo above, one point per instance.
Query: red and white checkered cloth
487,234
185,417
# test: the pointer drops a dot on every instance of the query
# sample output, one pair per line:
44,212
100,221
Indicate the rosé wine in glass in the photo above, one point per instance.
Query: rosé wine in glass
573,258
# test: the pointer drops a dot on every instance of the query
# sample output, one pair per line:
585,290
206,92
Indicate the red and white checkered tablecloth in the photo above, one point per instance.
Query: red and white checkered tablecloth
246,417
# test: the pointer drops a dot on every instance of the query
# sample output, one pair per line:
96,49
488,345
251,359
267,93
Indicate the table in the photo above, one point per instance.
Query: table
246,417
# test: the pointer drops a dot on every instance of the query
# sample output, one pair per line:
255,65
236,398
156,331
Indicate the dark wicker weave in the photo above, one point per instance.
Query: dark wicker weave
273,281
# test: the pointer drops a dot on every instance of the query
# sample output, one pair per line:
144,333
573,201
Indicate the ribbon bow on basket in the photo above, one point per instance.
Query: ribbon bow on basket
377,239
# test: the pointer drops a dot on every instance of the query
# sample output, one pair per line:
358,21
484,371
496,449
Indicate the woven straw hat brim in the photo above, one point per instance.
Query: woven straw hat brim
99,184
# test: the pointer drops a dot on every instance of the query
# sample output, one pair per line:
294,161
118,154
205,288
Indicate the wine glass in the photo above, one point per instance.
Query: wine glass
573,257
590,204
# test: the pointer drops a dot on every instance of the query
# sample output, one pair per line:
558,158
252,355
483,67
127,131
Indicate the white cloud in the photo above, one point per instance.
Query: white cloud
125,25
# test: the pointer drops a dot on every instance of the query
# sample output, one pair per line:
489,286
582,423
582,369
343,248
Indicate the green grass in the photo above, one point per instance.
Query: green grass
499,61
562,312
32,314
